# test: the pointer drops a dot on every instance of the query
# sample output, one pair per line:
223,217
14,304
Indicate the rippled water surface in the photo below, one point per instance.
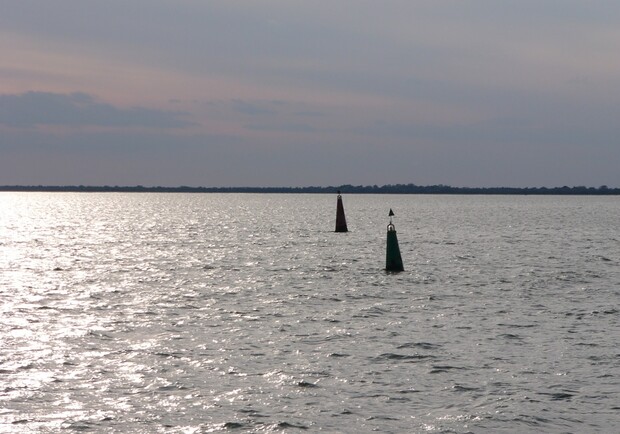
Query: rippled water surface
189,313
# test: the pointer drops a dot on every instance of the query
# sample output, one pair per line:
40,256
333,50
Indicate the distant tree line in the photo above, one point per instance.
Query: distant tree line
347,188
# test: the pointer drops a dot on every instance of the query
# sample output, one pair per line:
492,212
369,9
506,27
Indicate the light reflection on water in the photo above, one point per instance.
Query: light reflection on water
210,312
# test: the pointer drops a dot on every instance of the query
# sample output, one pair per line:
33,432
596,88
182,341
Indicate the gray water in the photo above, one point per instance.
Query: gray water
192,313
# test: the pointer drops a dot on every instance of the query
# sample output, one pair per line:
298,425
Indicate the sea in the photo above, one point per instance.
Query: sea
208,312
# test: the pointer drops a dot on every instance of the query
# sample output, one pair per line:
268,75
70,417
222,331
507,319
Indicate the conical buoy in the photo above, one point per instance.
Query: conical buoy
341,221
393,261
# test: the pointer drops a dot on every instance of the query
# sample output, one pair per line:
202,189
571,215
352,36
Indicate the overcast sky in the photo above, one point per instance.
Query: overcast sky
297,93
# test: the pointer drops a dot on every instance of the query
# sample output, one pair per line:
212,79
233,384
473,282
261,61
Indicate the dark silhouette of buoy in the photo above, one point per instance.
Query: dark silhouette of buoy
393,261
341,221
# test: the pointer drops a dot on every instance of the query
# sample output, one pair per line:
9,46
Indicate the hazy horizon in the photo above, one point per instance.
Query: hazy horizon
346,188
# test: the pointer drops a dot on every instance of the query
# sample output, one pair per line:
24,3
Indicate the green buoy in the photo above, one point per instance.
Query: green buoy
341,221
393,260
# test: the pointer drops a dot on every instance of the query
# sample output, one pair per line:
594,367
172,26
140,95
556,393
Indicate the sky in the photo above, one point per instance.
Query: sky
478,93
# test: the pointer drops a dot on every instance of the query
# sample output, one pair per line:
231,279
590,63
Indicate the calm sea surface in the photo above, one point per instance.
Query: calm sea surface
192,313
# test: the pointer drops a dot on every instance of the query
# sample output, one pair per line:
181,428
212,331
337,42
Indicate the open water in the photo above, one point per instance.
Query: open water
193,313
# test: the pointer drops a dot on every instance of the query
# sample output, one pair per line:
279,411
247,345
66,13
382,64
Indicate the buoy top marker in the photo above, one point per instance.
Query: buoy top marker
391,227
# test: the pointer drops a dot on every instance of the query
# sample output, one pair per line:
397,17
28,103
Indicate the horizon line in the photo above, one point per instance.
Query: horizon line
344,188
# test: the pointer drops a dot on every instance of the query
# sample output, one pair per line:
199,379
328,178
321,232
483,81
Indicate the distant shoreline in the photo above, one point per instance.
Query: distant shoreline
348,189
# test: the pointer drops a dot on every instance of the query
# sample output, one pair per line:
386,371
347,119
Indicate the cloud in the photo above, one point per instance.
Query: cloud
32,109
248,108
276,115
286,127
